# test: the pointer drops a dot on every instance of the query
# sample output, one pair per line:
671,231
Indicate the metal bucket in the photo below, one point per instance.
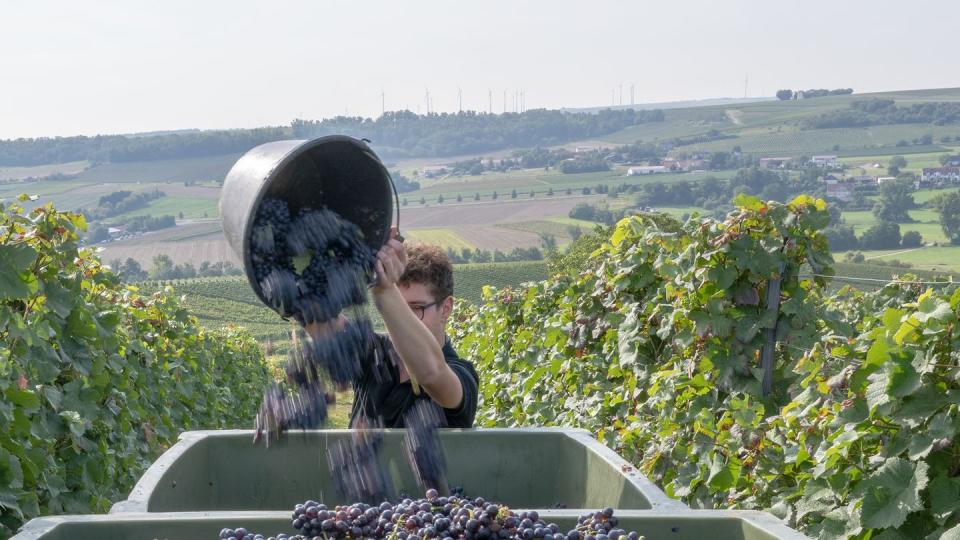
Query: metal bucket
337,172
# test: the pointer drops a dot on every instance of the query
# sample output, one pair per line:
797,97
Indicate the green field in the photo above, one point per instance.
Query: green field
40,171
441,237
915,162
191,207
770,127
170,170
540,181
872,276
932,259
927,224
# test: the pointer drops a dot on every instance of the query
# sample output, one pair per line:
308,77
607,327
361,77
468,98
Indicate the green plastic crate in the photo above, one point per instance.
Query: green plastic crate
522,468
655,525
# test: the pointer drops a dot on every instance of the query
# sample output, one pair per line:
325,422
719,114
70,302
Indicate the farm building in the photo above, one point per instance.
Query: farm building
431,171
952,161
824,161
684,165
775,162
882,179
647,169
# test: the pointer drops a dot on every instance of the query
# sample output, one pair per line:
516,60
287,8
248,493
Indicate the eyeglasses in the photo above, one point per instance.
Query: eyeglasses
420,310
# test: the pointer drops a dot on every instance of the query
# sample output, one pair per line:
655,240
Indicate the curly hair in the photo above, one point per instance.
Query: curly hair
429,265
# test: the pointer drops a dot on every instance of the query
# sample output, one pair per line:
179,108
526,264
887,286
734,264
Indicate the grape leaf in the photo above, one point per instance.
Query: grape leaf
892,492
15,259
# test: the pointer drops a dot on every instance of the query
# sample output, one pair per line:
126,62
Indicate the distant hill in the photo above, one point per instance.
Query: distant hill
673,104
755,126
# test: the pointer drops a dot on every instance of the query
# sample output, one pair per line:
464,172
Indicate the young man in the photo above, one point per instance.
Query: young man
414,295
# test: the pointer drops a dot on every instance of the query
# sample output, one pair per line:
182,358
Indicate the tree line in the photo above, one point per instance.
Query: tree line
872,112
812,93
404,134
163,267
396,134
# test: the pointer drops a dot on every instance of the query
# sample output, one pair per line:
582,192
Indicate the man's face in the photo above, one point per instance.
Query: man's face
436,313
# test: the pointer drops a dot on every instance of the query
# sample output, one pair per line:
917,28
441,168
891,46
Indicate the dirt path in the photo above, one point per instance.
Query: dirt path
892,254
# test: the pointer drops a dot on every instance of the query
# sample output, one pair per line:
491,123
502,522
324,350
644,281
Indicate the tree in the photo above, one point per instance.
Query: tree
549,242
884,235
494,196
898,161
162,267
911,239
784,95
440,199
549,192
948,206
476,196
841,238
896,198
513,194
574,232
459,197
98,233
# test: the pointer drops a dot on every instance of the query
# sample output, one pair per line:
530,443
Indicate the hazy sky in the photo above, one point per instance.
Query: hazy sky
76,67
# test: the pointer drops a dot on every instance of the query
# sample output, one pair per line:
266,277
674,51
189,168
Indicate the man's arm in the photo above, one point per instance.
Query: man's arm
417,347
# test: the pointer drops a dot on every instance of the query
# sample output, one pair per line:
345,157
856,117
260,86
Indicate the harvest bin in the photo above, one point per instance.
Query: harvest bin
522,468
654,524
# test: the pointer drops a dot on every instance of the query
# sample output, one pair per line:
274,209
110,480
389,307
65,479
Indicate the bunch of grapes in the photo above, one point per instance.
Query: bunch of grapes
335,266
442,518
424,451
305,408
243,534
600,525
356,469
340,262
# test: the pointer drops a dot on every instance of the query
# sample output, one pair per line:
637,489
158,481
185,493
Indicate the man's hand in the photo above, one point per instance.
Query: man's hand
391,261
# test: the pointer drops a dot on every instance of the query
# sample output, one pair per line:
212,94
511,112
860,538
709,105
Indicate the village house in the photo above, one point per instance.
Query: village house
952,161
940,175
841,191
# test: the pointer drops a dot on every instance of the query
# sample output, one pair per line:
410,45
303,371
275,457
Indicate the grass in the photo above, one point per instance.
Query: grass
927,224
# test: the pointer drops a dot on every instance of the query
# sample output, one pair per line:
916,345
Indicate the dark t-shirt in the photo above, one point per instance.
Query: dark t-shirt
379,394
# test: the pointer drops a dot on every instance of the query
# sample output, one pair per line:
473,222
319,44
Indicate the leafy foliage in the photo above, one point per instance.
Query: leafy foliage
656,349
872,112
97,379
